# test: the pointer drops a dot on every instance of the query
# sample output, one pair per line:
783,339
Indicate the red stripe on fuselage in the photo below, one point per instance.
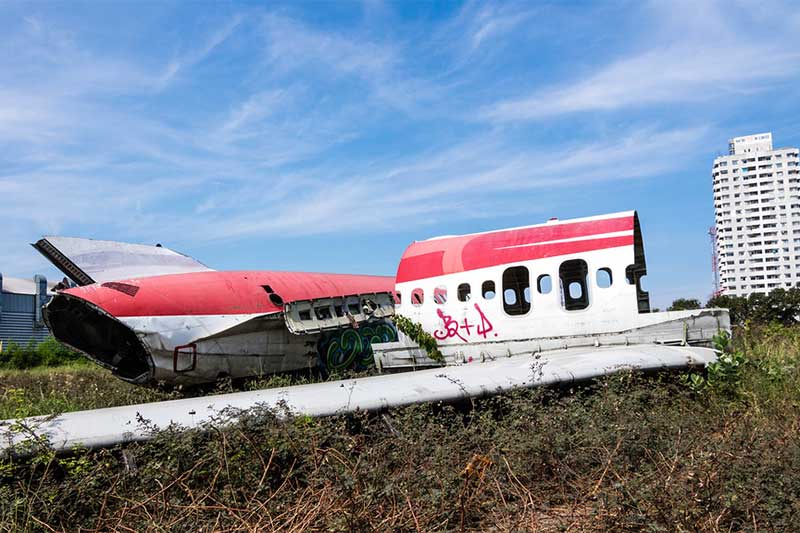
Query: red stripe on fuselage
459,254
225,293
475,258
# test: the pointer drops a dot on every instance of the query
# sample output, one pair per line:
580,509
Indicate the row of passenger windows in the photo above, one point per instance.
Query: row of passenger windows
516,287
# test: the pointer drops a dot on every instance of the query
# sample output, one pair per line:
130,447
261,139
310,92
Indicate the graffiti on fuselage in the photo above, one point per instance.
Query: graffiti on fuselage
352,348
451,328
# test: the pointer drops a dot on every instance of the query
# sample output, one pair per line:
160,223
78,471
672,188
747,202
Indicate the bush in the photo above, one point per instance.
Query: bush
49,352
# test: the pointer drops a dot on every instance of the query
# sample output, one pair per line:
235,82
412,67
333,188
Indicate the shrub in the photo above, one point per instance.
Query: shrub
683,304
50,352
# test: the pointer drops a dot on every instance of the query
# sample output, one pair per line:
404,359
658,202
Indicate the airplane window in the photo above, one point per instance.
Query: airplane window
417,297
487,290
509,297
573,274
440,295
527,294
544,284
604,278
575,290
515,281
464,292
634,274
323,313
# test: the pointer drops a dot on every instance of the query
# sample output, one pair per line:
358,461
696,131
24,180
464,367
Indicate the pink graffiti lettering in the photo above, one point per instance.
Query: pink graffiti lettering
485,326
450,327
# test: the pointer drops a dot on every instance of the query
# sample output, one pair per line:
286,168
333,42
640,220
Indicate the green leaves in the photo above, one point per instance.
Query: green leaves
724,376
416,333
781,306
50,352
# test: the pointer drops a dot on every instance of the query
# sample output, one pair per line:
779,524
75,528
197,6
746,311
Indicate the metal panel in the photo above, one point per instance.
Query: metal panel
18,303
20,329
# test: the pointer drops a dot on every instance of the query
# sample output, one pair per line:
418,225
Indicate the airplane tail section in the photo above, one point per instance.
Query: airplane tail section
87,261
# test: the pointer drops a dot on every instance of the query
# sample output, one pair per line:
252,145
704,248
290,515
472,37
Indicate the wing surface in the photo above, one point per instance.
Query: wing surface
87,261
111,426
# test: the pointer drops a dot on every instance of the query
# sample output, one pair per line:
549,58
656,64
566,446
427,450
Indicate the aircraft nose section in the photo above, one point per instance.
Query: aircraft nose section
87,327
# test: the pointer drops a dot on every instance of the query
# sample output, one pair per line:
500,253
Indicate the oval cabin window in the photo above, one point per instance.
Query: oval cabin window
604,279
464,292
417,297
440,295
487,290
544,284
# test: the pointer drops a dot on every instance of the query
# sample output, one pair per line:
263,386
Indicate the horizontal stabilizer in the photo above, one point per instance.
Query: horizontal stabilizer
116,425
87,261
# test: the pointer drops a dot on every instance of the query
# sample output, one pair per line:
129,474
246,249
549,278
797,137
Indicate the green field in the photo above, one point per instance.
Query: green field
626,453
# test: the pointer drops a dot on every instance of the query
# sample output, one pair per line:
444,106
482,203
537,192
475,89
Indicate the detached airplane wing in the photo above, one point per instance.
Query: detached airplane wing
116,425
87,261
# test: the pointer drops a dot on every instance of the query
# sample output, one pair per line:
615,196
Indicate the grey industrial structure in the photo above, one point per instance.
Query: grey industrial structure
21,304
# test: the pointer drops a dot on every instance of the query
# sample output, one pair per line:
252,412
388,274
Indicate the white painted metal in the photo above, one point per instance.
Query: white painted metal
111,426
225,345
610,310
106,261
677,328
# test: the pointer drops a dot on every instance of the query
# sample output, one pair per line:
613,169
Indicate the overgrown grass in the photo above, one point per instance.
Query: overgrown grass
628,453
81,385
75,387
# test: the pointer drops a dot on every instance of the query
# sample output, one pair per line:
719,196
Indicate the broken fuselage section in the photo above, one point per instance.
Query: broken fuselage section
202,326
541,289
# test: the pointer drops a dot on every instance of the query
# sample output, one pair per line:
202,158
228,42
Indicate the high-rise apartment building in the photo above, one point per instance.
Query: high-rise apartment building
757,216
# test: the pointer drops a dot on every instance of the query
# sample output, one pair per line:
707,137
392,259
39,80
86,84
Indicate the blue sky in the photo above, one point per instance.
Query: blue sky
327,136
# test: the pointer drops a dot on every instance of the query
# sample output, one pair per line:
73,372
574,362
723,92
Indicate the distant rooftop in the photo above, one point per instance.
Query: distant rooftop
760,142
24,286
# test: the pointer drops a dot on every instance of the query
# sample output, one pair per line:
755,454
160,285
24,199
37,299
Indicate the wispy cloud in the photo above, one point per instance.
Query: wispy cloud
196,54
680,73
688,61
444,184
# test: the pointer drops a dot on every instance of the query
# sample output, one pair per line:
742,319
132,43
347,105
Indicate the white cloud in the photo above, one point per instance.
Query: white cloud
445,184
198,54
695,54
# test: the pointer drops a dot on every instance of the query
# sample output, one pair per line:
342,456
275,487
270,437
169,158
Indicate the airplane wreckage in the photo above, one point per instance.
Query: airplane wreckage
549,303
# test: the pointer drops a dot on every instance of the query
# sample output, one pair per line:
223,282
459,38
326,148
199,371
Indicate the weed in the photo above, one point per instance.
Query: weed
625,453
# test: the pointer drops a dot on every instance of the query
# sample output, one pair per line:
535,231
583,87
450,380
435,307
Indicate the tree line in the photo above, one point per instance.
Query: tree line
779,306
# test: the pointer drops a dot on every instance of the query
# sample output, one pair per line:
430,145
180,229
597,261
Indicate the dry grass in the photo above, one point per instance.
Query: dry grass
629,453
